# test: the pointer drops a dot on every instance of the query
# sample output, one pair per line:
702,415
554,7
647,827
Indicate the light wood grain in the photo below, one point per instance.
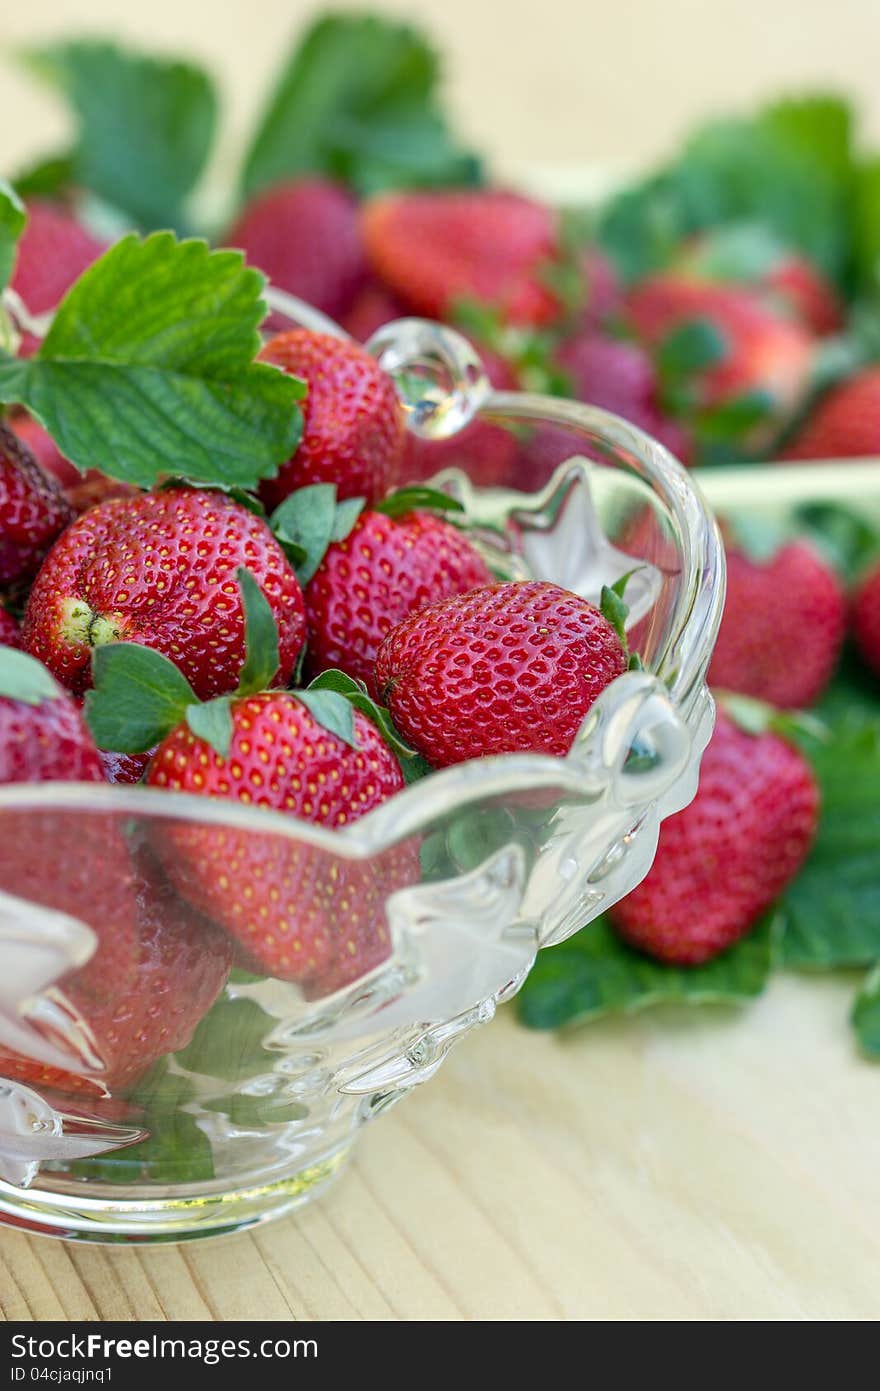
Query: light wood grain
682,1166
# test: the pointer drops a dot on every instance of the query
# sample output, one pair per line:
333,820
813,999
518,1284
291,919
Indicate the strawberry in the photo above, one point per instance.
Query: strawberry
159,569
180,964
123,767
747,254
486,452
33,510
722,861
783,626
386,568
45,450
10,633
280,899
74,864
509,668
866,618
603,296
304,235
433,249
81,490
372,308
762,350
810,297
845,424
353,425
53,252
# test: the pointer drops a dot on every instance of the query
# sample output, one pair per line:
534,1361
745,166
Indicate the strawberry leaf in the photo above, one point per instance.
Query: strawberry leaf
48,177
304,524
145,125
148,372
139,696
614,610
595,973
831,912
356,693
332,711
848,540
228,1042
347,513
357,100
865,1016
212,721
24,678
692,347
12,220
757,717
405,500
866,224
260,638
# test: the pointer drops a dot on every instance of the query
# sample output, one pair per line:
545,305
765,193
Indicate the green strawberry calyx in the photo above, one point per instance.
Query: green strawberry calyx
416,496
309,520
24,678
140,696
615,611
756,717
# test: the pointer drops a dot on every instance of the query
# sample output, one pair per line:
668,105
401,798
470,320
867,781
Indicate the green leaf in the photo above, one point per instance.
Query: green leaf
12,220
692,347
304,524
24,678
865,1016
595,973
347,513
831,912
731,420
357,100
866,224
247,1109
228,1042
176,1150
48,177
331,710
848,540
212,721
405,500
615,611
261,638
148,371
757,717
145,125
139,696
356,693
818,125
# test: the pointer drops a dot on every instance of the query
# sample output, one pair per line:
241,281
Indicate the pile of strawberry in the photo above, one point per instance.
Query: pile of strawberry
304,650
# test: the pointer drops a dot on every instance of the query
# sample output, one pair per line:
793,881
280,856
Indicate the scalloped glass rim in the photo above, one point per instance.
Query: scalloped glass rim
693,626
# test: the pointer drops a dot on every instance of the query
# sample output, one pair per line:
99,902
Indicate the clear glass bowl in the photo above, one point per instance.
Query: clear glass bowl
449,889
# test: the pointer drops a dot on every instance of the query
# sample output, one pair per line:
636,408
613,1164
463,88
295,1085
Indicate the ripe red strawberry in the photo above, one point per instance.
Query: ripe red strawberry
783,626
180,964
45,450
33,510
124,767
509,668
386,568
603,291
866,618
812,299
81,490
280,899
845,424
10,633
72,863
765,351
372,308
53,252
436,248
487,453
353,426
723,860
160,569
304,235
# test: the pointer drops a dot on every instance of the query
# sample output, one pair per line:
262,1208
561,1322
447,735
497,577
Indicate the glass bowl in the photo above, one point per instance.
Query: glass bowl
433,905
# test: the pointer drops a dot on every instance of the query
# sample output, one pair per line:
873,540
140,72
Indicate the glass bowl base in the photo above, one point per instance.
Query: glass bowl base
42,1213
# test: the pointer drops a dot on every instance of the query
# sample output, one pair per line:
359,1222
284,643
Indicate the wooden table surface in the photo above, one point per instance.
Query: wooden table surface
676,1165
